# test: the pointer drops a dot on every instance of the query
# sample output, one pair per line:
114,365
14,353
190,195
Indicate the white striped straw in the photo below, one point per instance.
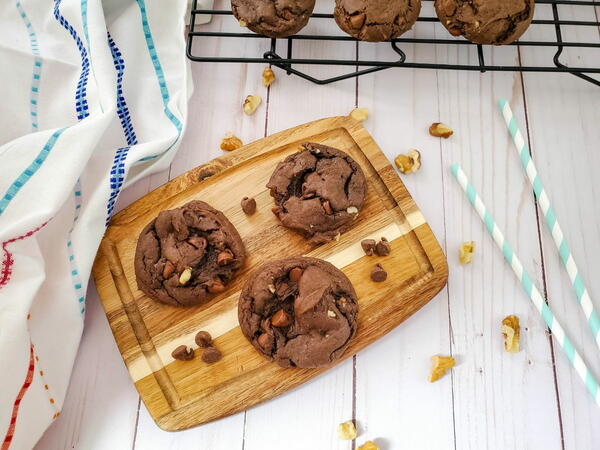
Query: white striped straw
511,258
552,222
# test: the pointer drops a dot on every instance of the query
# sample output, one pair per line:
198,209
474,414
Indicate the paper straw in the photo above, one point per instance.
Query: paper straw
511,258
552,222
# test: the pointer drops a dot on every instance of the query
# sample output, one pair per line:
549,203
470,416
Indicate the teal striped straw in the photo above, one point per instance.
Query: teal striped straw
552,222
528,286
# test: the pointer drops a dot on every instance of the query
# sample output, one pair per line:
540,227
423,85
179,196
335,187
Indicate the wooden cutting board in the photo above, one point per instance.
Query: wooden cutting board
182,394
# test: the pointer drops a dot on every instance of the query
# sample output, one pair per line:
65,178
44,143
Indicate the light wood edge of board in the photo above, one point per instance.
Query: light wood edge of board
167,412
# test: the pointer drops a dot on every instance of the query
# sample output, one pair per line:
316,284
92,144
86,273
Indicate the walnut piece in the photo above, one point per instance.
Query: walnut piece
360,114
251,103
465,252
440,364
511,330
268,76
231,142
369,445
410,162
185,276
439,129
346,430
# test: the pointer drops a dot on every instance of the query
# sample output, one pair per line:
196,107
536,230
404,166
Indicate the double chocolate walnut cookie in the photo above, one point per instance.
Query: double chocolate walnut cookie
318,191
376,20
187,255
273,18
298,312
497,22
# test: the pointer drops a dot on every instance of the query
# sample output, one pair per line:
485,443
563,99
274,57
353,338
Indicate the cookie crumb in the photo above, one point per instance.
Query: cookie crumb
231,142
248,205
378,273
182,353
439,129
251,103
368,246
465,252
211,355
360,114
203,339
268,77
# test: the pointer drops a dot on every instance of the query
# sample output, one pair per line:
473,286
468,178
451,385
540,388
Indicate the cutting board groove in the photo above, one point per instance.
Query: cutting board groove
180,394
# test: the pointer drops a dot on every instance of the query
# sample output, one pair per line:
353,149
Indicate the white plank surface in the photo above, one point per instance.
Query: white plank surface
493,400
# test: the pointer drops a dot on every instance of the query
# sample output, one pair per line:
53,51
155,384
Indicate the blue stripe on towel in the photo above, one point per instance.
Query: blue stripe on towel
37,67
26,175
117,172
160,76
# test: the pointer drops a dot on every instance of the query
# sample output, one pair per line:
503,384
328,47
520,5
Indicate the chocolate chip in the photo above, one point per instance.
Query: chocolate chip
265,341
248,206
368,246
168,269
383,247
203,339
216,286
198,242
295,274
182,353
211,355
378,274
280,319
225,257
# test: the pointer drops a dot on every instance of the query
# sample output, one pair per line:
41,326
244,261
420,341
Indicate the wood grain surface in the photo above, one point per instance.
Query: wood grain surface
182,394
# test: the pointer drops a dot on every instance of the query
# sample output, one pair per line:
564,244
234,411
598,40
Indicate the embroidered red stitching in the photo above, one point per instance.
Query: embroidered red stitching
8,261
13,418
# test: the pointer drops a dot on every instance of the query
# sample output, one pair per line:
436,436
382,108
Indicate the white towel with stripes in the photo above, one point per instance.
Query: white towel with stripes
93,96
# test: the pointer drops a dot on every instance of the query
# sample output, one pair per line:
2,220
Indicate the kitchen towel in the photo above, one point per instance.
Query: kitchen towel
93,97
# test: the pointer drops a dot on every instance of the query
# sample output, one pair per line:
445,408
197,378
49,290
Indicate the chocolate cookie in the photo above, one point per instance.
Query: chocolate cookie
496,22
319,192
376,20
298,312
188,254
273,18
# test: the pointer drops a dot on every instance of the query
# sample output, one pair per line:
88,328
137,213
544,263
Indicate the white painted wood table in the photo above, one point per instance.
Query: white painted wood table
492,400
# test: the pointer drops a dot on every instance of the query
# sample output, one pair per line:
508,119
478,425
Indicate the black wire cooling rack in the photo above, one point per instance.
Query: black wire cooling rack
359,66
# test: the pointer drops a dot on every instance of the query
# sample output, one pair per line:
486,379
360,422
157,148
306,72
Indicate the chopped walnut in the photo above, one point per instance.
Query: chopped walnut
511,330
369,445
268,76
439,129
409,163
185,276
465,253
231,142
347,430
360,114
251,103
440,365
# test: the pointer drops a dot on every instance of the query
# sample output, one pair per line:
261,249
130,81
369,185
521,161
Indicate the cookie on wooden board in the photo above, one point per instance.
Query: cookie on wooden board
496,22
187,255
273,18
376,20
298,312
319,192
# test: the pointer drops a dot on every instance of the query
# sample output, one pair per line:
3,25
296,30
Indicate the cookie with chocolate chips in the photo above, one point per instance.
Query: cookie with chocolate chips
318,191
376,20
496,22
187,255
273,18
298,312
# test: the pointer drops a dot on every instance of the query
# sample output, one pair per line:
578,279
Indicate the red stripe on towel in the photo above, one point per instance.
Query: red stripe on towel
15,412
8,261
